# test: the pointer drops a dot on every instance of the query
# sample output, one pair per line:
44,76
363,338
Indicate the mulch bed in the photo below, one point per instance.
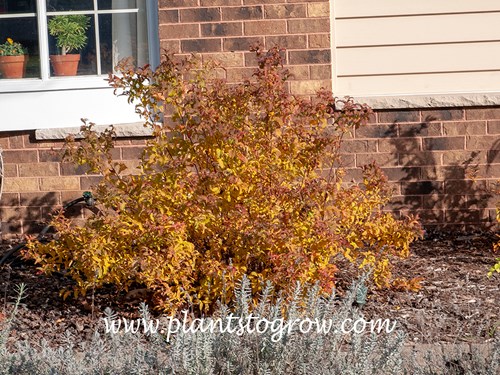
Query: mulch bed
457,302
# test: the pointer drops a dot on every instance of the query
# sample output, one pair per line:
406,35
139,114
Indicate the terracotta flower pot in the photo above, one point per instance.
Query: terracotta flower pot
65,65
13,66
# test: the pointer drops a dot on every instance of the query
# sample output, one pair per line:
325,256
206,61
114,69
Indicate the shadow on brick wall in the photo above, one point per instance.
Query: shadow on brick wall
28,213
437,180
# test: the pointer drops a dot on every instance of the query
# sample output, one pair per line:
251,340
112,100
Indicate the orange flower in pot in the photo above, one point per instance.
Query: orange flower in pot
12,59
70,33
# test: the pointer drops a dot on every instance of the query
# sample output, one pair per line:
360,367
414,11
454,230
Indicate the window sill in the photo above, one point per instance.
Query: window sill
53,84
135,129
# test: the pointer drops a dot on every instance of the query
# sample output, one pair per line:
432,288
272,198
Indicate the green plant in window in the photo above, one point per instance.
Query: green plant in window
69,31
11,48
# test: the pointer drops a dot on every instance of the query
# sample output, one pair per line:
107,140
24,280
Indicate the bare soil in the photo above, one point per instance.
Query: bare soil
457,302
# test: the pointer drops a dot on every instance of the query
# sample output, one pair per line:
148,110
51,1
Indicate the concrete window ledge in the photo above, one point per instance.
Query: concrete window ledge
131,130
430,101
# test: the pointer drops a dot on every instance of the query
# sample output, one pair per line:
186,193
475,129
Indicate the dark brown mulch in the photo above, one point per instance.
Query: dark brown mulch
457,302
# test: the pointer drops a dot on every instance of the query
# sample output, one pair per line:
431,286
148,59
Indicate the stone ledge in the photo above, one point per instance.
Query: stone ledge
130,130
430,101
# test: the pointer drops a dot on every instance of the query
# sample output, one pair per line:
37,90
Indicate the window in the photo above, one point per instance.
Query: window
116,29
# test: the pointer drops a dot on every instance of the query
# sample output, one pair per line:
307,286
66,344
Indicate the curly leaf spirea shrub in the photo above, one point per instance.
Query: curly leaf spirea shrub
242,179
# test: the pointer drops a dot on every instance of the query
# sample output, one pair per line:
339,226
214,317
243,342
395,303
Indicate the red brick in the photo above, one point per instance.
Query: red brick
10,170
321,71
376,131
310,25
464,128
49,155
420,158
319,40
10,199
70,169
421,187
168,16
423,129
443,173
444,143
441,201
239,74
299,72
318,9
462,157
402,174
200,15
382,159
20,213
222,29
16,141
483,143
310,57
175,31
177,3
479,201
172,46
400,145
241,44
40,199
253,2
493,156
285,11
265,27
11,228
463,186
59,183
404,202
226,59
242,13
14,185
201,45
436,216
482,114
220,2
89,182
489,171
287,41
25,156
308,87
493,127
38,169
442,114
398,116
466,216
358,146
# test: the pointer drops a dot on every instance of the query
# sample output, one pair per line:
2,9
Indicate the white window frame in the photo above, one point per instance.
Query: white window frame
25,103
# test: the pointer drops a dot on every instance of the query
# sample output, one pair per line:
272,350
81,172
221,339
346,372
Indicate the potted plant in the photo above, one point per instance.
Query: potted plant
12,59
70,33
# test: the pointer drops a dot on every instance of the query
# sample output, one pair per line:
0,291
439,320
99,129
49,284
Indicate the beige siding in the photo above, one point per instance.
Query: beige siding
403,47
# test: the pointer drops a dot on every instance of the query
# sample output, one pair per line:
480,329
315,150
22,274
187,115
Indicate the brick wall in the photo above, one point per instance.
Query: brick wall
426,155
35,181
224,30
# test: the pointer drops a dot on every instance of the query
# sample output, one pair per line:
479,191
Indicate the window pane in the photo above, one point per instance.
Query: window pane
119,4
24,31
65,5
88,62
17,6
122,35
